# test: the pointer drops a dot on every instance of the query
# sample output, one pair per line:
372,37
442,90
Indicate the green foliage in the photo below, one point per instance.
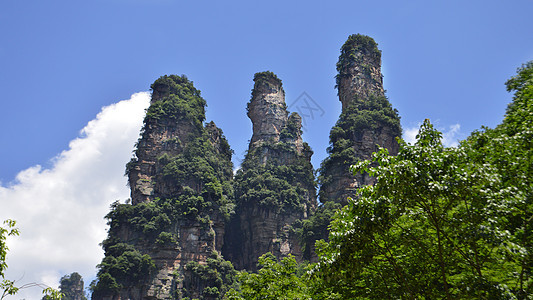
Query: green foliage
292,130
374,114
179,99
52,294
517,118
262,80
193,182
198,164
509,149
123,265
274,280
214,279
267,76
71,286
274,185
8,287
155,220
435,225
315,227
7,230
166,238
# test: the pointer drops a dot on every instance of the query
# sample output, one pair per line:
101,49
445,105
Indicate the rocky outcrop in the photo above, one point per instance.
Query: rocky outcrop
267,109
165,131
190,216
359,70
180,180
71,286
275,185
367,121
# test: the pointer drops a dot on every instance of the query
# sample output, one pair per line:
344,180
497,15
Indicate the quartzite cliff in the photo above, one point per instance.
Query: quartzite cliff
191,220
275,185
166,244
367,120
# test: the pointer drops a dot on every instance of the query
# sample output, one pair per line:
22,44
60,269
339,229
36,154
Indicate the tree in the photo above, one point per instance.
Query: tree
7,287
509,149
442,222
430,227
274,280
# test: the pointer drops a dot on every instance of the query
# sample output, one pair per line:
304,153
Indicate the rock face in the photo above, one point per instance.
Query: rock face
366,122
275,186
359,70
267,110
181,197
190,218
71,286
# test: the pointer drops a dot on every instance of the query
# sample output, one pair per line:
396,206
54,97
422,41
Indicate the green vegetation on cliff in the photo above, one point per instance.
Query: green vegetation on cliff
214,279
274,174
263,80
439,223
177,98
373,114
275,185
122,266
192,187
71,286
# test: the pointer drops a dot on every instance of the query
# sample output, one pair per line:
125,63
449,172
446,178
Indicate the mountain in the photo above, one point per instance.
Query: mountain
275,185
158,247
192,222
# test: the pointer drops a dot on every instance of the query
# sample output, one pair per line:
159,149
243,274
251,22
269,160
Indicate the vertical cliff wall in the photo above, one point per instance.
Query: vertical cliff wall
275,186
366,122
166,244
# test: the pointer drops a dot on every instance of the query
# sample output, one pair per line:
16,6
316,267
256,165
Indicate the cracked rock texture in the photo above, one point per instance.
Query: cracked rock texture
262,224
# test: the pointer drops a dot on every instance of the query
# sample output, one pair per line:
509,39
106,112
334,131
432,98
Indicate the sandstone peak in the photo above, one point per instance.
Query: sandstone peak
367,121
267,108
359,70
275,186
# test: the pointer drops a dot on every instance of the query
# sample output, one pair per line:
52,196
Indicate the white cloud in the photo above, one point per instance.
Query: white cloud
450,138
59,211
409,134
450,135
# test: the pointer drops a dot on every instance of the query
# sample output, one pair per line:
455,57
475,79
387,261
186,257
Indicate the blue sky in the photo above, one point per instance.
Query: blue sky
62,61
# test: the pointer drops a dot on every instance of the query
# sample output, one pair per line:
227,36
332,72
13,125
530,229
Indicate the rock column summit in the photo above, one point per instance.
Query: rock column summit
359,70
367,121
267,109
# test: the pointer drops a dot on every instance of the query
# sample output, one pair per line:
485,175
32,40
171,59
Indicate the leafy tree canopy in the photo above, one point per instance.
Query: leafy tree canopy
442,222
274,281
9,287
